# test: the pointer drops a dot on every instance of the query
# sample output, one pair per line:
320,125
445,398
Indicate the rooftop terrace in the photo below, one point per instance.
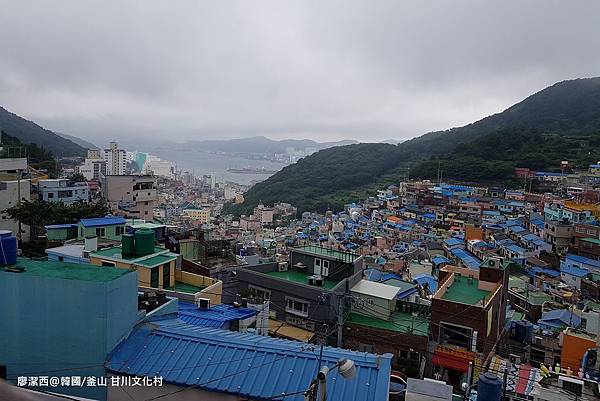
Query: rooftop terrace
464,290
300,277
161,255
185,288
401,322
68,271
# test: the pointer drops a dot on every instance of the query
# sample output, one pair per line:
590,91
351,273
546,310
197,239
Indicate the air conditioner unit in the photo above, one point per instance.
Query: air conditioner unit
203,303
538,340
282,266
319,281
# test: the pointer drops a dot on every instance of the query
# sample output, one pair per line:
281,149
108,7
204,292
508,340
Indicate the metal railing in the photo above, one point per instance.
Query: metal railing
12,152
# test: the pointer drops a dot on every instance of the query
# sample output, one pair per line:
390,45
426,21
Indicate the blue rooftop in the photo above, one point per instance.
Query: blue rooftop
466,258
246,365
453,242
217,316
102,221
574,271
438,260
422,279
559,318
583,260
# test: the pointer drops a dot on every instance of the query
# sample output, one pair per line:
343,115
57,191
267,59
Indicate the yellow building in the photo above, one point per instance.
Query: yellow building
201,215
156,270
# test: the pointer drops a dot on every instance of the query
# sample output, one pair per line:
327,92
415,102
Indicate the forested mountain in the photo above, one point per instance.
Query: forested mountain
561,121
29,132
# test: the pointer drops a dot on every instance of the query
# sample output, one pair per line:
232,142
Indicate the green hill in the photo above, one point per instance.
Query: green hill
561,121
29,132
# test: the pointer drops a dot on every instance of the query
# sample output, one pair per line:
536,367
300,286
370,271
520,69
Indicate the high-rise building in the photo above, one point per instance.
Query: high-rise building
94,166
116,160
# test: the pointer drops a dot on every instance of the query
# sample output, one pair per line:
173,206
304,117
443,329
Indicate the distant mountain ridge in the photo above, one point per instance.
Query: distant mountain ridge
262,144
81,142
320,180
29,132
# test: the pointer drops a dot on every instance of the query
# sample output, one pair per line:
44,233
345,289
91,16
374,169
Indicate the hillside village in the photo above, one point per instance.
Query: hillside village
425,280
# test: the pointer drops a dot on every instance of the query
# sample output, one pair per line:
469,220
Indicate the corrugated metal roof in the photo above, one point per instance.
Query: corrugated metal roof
216,316
102,221
244,364
466,258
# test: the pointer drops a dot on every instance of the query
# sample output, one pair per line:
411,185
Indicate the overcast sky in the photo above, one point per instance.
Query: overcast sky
365,70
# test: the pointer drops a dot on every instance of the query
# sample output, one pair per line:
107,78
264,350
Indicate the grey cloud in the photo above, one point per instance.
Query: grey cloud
320,69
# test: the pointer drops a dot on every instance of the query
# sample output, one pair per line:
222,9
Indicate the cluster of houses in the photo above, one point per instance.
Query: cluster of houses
424,287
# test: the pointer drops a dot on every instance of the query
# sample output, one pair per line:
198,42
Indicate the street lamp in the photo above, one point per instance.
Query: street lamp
347,370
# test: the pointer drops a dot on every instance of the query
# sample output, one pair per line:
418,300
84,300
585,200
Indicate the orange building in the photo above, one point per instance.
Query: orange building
574,346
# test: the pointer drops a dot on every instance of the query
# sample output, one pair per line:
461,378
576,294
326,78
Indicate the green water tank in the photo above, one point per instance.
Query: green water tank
128,245
144,242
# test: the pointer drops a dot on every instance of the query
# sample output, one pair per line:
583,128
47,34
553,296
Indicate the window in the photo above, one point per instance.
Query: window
366,347
166,275
100,232
296,306
61,259
154,277
325,268
455,335
260,293
50,195
119,230
108,264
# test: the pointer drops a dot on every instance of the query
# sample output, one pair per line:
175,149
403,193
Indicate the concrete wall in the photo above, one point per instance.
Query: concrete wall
9,198
321,311
62,326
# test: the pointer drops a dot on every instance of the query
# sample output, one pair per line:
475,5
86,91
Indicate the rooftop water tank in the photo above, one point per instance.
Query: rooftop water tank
127,245
8,248
489,387
144,242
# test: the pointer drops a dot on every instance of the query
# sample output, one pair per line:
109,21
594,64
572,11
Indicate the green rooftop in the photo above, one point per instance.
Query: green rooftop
592,240
68,271
401,322
538,297
115,253
327,252
518,281
300,277
157,260
464,290
187,288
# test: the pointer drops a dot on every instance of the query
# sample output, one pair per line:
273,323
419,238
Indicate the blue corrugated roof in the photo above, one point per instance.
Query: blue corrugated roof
216,316
425,278
583,260
574,271
102,221
438,260
466,258
244,364
559,318
452,242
